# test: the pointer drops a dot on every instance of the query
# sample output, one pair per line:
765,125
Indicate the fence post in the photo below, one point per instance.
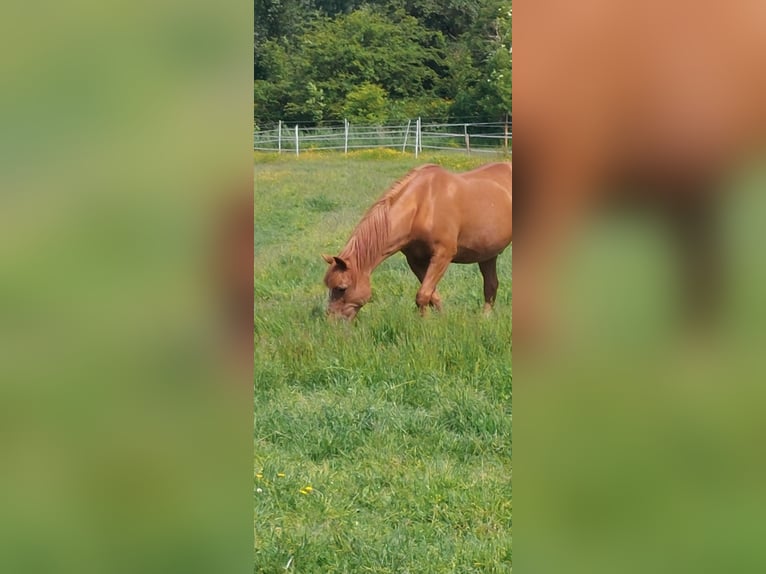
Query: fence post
404,145
345,140
297,143
420,137
417,137
279,137
467,139
505,138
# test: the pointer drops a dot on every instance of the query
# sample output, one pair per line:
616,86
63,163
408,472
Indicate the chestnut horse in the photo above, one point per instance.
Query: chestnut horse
434,217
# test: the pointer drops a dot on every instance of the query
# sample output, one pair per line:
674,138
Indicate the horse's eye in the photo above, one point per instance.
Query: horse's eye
337,292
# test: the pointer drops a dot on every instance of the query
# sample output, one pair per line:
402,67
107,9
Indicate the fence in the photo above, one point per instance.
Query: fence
414,136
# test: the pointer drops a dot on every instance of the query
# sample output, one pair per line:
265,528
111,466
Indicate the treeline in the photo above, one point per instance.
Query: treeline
379,61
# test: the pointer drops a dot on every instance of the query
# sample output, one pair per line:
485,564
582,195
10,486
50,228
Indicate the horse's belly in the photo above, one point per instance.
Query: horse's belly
475,249
469,256
483,237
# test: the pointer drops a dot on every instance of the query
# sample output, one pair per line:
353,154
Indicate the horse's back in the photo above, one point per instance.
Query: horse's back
497,175
473,210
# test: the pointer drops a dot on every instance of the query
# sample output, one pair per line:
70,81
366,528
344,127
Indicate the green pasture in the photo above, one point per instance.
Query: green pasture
382,446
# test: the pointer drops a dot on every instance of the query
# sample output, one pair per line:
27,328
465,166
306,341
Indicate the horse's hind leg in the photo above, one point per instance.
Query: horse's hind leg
488,270
697,232
419,268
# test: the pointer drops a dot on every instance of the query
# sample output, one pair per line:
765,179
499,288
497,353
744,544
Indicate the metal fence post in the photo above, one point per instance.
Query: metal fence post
505,134
417,137
297,142
406,133
467,139
279,137
345,139
420,136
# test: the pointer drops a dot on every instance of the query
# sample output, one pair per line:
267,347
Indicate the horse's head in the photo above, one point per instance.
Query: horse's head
349,289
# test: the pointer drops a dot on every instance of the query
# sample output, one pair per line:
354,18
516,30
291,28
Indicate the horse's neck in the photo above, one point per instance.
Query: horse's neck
378,236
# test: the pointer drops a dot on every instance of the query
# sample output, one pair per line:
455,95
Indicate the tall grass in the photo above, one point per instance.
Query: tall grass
383,445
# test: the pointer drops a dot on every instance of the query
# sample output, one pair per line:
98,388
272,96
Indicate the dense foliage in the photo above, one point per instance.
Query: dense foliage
382,60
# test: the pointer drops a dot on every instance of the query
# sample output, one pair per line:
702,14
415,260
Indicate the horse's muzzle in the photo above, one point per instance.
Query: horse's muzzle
348,312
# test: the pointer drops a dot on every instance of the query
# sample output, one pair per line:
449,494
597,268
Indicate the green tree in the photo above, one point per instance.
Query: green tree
366,104
497,93
481,75
320,59
280,18
451,17
307,104
367,47
272,89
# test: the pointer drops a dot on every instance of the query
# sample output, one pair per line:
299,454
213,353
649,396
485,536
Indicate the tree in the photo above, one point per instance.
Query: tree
367,104
497,95
322,59
482,73
307,105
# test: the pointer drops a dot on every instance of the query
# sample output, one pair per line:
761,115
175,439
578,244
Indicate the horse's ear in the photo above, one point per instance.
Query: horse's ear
328,259
340,263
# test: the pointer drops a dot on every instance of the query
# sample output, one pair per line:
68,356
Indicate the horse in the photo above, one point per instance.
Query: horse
434,217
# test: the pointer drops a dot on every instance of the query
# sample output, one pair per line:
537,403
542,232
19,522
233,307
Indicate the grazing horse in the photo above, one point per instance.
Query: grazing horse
434,217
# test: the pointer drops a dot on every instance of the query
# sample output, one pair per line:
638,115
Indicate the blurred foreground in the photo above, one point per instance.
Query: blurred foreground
639,285
125,404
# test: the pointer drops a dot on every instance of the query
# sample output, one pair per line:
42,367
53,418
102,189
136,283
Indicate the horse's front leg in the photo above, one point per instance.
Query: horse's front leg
419,267
440,260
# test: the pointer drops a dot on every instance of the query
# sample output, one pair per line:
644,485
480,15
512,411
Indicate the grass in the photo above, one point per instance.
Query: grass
381,446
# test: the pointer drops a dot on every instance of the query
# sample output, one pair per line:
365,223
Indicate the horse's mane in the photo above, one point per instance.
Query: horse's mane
371,233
